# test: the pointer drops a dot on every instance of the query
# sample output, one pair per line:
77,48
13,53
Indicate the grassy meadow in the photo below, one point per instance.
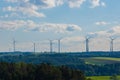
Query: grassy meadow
101,60
102,77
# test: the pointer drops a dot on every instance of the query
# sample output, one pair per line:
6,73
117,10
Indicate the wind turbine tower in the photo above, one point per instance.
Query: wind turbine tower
59,45
34,47
14,45
87,44
111,44
51,45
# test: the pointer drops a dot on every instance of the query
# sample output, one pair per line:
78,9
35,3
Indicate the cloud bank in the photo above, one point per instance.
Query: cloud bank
32,8
43,27
101,23
112,32
96,3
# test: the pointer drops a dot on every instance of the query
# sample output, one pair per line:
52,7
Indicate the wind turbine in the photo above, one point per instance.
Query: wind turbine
111,44
34,47
51,45
14,45
59,45
87,43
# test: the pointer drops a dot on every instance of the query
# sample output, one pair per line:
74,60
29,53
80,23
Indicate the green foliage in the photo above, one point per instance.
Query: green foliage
98,63
113,77
101,60
23,71
88,79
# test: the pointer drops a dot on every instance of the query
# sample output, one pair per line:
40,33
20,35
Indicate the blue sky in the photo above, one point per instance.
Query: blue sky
38,21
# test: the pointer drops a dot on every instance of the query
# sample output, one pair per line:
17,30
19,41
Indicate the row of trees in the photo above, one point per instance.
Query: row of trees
23,71
98,70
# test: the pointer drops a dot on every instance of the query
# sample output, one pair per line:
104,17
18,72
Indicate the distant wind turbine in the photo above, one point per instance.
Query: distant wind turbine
59,45
87,43
14,45
34,47
111,44
51,46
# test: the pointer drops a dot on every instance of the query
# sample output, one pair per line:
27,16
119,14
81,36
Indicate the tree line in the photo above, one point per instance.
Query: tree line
98,70
24,71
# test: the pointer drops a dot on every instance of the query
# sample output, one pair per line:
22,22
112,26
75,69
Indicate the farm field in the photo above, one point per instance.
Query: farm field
102,77
107,58
101,60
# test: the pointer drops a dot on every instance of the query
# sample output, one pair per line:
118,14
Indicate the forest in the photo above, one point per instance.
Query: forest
74,61
23,71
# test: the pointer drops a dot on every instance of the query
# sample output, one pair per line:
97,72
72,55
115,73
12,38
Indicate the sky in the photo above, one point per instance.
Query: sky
39,21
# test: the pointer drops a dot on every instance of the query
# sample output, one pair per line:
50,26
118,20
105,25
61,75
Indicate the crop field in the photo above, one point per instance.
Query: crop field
102,77
101,60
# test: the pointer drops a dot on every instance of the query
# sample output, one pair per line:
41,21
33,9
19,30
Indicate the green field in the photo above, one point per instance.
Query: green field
102,77
101,60
107,58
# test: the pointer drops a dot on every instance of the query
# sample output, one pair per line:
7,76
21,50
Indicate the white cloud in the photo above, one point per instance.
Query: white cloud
26,9
103,4
12,16
115,31
32,8
73,43
30,12
101,23
51,27
99,44
9,8
112,32
43,27
96,3
73,39
55,3
13,1
59,2
11,25
48,3
75,3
